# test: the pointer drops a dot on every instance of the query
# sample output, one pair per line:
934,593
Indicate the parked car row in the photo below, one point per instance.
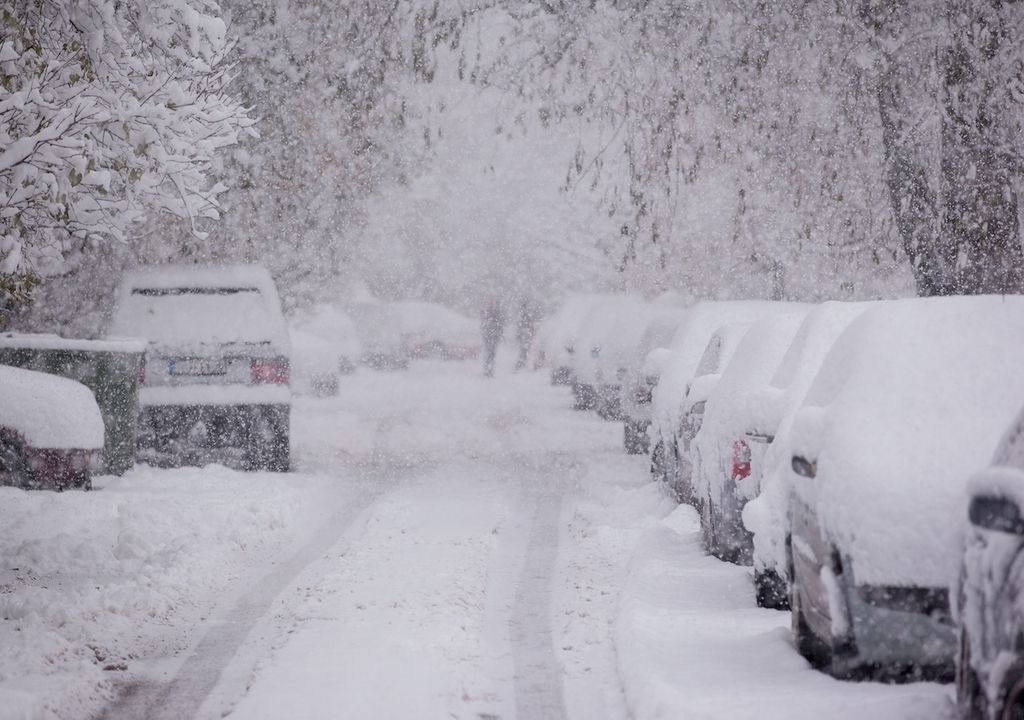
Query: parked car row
832,448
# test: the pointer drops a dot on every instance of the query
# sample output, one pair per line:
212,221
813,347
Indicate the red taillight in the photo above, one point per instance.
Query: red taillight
270,372
142,372
740,460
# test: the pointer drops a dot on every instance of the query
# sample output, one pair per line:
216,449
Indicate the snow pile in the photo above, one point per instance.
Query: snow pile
910,401
174,306
49,411
725,421
771,410
90,583
691,644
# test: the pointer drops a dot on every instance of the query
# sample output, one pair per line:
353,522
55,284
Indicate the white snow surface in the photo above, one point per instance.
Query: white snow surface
480,551
911,400
49,411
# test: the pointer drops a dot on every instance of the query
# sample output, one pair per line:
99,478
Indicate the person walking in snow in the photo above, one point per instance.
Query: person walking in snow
526,328
492,327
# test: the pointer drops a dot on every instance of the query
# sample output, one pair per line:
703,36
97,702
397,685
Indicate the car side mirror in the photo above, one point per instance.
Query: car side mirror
993,512
804,467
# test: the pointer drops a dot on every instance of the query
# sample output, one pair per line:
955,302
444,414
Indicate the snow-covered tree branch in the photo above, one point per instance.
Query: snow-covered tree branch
109,110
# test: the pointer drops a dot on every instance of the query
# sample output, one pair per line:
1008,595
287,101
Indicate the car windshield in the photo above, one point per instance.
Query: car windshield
185,315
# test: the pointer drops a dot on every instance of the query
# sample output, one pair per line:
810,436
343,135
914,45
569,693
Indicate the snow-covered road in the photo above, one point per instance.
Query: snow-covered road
451,547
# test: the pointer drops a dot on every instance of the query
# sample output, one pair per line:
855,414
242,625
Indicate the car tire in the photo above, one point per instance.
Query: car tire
770,590
971,699
267,446
634,438
14,468
707,526
658,473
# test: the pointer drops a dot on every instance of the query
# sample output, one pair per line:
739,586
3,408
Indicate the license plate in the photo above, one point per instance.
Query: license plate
198,366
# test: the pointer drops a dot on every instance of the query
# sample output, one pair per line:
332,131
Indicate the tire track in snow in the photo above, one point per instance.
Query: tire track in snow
199,674
538,673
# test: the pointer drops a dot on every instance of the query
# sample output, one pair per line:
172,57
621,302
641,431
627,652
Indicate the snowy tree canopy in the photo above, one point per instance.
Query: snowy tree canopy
109,111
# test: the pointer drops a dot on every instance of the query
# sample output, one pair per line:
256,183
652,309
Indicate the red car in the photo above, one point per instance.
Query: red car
51,431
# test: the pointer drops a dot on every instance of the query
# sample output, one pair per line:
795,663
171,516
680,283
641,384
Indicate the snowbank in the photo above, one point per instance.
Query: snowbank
49,411
910,401
691,644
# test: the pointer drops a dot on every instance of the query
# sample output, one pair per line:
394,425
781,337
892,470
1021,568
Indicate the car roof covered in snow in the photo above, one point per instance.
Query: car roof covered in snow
752,365
178,306
610,334
912,399
49,411
688,346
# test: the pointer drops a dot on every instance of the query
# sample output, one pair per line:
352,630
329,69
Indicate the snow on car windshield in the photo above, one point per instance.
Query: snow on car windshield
185,315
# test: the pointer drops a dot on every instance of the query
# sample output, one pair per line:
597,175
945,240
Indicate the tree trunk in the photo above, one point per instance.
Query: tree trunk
980,200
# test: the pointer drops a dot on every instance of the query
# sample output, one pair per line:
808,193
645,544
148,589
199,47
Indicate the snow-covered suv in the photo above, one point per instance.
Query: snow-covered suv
216,380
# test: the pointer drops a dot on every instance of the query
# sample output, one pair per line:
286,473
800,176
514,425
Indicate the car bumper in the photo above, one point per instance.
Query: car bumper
214,395
172,435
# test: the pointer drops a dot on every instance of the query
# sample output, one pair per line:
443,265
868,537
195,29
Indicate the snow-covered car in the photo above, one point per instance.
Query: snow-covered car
216,385
607,336
641,377
324,345
717,355
726,444
677,370
434,332
557,335
51,431
990,607
767,417
379,328
912,398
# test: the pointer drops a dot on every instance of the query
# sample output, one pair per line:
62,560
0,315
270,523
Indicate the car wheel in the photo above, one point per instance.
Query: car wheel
807,644
267,445
14,467
770,590
707,526
635,437
658,462
970,698
1012,695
